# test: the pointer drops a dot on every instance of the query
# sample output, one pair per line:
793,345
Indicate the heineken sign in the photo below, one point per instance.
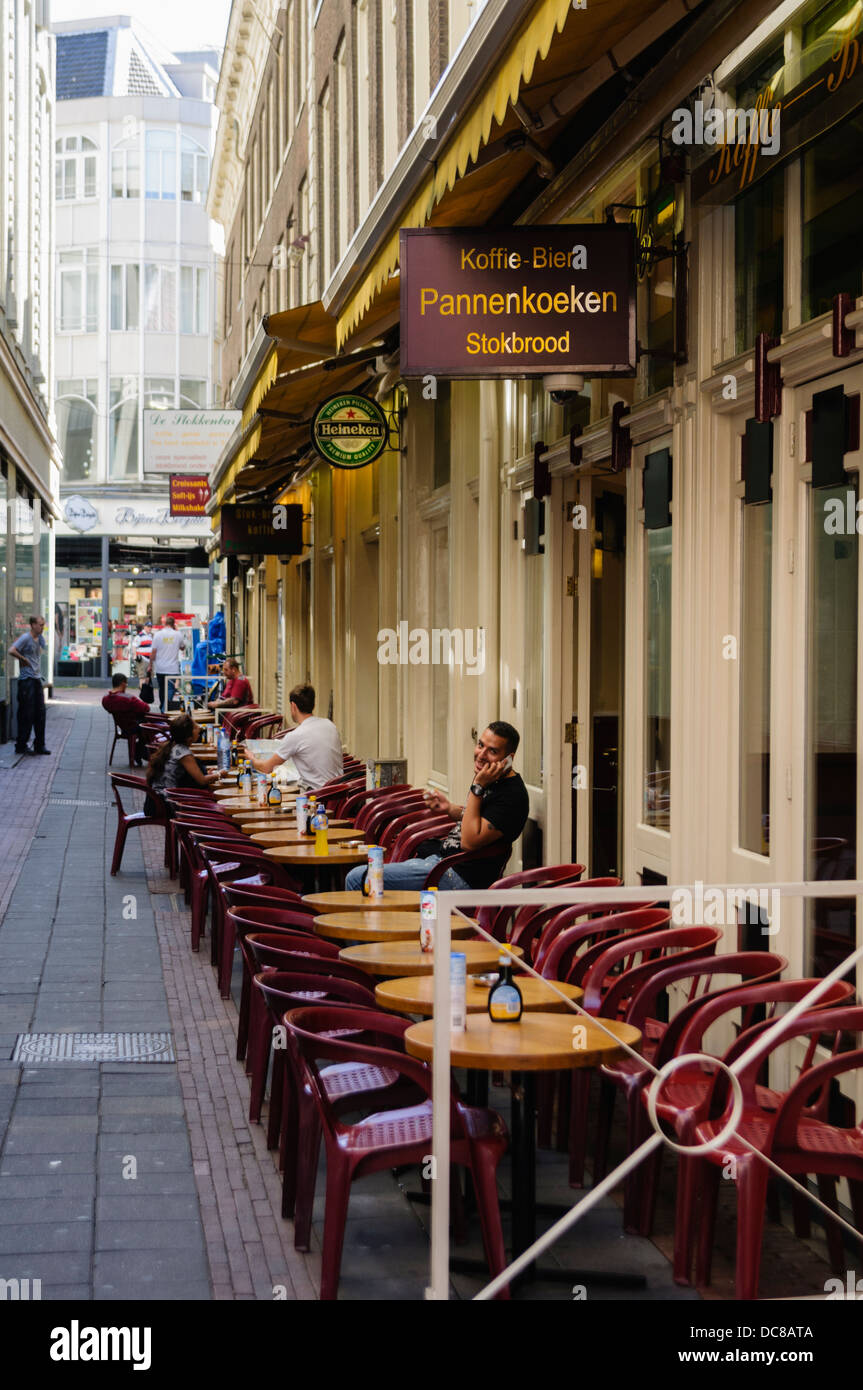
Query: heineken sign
350,431
518,301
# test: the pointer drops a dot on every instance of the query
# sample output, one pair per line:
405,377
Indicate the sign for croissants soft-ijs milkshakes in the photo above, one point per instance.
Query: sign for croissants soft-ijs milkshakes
519,301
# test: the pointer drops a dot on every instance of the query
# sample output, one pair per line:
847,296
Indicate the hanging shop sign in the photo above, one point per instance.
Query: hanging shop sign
189,494
186,441
518,301
261,528
756,142
350,431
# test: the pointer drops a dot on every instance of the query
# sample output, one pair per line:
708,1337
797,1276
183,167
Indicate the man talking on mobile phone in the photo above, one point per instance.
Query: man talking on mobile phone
496,808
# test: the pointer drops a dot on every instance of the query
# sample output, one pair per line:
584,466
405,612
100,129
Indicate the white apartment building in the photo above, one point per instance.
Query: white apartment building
29,461
136,269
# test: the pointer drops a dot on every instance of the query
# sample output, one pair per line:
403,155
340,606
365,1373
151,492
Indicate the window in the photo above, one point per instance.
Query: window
533,636
759,224
441,672
362,124
77,404
126,169
292,63
192,393
125,298
193,299
832,702
161,164
193,171
388,106
342,189
657,679
325,126
755,678
159,393
832,217
75,167
78,299
160,298
272,140
123,427
421,58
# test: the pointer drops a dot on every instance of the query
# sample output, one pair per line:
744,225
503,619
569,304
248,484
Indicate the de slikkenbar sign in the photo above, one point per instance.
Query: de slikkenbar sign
519,301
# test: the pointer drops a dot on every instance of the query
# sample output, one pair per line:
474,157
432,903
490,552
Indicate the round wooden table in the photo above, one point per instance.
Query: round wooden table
405,957
305,854
538,1042
287,821
415,995
290,835
237,805
251,811
353,900
377,926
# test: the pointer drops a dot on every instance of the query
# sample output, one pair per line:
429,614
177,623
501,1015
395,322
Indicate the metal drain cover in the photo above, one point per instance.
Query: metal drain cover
94,1047
75,801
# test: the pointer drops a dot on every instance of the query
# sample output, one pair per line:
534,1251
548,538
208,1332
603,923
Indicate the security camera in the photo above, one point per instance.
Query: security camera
563,386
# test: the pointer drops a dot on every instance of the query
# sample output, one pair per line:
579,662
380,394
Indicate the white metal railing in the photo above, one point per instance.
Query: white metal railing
447,902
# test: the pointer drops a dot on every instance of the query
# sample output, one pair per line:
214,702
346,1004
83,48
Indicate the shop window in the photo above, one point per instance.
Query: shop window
24,541
754,718
123,427
657,678
75,168
193,299
825,31
125,298
160,298
78,291
4,694
442,414
193,171
833,217
759,241
76,407
161,165
832,702
533,668
126,169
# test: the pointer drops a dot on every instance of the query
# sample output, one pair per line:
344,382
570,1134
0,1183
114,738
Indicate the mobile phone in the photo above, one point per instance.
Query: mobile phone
507,762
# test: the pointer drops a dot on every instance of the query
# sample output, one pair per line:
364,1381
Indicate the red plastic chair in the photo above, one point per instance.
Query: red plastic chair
282,990
259,723
226,862
257,917
564,960
685,1098
409,840
606,994
498,852
631,1076
124,733
501,921
795,1135
131,820
387,1139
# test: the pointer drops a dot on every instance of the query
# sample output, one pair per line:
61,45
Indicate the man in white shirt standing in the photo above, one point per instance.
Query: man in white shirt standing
314,746
165,658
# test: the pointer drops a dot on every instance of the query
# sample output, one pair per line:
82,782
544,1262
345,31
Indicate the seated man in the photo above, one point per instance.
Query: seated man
128,711
496,809
314,746
237,689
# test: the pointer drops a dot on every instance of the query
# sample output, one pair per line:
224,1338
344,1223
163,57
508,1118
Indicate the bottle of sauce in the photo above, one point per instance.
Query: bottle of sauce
505,1003
274,795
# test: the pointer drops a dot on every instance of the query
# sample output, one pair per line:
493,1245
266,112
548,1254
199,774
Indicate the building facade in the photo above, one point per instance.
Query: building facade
675,630
29,461
137,270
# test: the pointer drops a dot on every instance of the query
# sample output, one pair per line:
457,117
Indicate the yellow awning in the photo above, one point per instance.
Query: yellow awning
530,43
266,377
244,454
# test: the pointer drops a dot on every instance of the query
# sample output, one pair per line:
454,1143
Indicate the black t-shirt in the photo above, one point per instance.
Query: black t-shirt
506,806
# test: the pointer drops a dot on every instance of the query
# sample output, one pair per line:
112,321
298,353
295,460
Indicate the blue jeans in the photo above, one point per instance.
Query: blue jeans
412,873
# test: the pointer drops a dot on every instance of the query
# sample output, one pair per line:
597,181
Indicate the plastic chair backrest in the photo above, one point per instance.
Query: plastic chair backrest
410,839
551,921
259,919
270,948
267,896
499,851
560,960
653,947
749,997
282,956
285,989
412,819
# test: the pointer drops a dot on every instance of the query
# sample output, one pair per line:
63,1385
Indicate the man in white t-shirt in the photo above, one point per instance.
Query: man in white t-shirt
165,657
314,746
